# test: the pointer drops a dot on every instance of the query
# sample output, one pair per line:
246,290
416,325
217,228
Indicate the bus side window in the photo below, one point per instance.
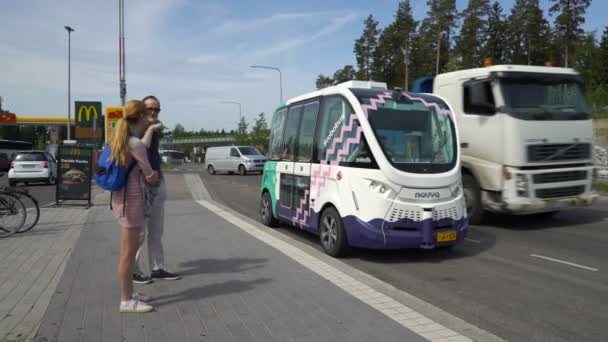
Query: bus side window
291,132
276,134
307,132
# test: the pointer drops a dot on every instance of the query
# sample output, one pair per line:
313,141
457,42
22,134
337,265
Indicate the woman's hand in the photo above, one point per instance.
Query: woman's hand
156,127
153,178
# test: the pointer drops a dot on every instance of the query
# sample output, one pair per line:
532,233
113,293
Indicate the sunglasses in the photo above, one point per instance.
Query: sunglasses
153,109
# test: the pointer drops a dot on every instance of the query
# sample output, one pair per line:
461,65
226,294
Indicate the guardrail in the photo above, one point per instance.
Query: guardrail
169,141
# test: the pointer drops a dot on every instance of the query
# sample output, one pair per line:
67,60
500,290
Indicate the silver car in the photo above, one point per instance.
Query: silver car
231,159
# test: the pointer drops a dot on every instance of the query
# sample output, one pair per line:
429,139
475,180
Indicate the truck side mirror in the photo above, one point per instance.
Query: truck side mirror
478,98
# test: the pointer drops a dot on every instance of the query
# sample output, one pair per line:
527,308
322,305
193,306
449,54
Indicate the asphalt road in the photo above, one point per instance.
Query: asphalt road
521,278
45,194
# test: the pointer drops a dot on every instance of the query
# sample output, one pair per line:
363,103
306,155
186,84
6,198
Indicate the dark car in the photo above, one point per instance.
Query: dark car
5,162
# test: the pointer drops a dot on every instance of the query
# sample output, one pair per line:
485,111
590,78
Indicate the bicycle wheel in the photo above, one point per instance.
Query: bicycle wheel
12,214
32,208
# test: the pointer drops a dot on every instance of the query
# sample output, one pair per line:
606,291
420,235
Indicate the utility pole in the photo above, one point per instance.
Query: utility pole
121,51
70,30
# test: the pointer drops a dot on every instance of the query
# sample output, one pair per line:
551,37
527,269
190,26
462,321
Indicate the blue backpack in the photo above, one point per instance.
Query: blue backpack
109,175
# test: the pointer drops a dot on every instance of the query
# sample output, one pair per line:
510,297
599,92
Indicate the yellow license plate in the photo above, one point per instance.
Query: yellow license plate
446,236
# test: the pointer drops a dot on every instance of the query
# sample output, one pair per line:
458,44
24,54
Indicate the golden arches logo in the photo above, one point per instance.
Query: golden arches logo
87,111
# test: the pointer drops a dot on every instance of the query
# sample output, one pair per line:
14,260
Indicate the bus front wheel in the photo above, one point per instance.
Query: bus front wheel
266,215
332,234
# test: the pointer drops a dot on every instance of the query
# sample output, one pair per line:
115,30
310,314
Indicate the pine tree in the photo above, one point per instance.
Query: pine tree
600,62
396,42
473,31
494,40
260,133
324,81
347,73
571,15
241,136
528,33
423,46
443,16
365,47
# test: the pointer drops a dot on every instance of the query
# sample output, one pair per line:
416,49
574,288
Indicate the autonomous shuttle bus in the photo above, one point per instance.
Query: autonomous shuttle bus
364,166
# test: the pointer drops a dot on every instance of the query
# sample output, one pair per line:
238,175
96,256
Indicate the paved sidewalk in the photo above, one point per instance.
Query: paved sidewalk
32,265
235,288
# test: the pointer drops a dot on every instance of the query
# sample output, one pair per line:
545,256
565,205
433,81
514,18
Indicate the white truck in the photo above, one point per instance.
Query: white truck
526,137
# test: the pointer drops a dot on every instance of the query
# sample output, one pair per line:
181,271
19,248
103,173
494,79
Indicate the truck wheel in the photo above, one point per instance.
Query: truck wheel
266,211
211,169
472,197
242,170
332,234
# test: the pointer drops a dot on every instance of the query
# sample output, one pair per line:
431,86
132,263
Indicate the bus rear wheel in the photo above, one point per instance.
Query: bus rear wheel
332,234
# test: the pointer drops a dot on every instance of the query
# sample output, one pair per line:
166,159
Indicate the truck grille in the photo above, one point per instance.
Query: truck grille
555,177
558,152
570,191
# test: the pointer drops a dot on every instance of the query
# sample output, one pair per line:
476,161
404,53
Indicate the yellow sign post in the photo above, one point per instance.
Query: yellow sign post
113,114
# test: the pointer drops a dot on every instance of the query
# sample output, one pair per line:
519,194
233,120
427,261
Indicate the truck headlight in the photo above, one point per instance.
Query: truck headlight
521,185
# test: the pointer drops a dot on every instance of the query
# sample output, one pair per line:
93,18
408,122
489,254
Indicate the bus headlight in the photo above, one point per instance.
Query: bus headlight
379,186
521,185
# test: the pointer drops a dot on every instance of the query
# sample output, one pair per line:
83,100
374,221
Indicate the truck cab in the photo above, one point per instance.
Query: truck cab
526,137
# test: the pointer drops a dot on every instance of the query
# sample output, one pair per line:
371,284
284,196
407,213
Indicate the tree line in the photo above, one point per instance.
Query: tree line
448,40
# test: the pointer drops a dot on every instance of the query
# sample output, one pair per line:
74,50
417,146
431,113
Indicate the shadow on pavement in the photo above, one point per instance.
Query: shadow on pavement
205,266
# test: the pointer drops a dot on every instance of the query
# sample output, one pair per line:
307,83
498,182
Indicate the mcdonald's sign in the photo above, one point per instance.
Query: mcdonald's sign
87,112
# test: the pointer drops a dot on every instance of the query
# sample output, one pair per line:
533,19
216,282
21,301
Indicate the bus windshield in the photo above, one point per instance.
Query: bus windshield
415,137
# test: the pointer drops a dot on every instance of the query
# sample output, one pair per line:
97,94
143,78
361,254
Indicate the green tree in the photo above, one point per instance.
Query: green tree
472,32
260,134
179,130
570,17
601,65
528,33
347,73
324,81
423,46
443,19
494,40
241,136
365,47
394,44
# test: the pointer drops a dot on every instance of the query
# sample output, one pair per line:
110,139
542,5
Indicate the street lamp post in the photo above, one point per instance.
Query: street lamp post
280,76
70,30
121,51
240,111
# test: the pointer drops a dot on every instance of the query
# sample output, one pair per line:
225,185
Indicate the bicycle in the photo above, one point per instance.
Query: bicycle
12,214
31,207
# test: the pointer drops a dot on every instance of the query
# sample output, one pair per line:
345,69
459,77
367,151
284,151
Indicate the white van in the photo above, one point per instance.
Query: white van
241,159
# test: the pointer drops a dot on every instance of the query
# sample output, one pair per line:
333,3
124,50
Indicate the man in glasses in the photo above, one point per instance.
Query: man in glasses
156,194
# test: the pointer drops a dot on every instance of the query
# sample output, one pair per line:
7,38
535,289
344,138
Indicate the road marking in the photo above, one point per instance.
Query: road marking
565,262
400,313
472,240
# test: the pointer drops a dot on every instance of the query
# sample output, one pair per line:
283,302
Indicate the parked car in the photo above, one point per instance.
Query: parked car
5,162
32,166
241,159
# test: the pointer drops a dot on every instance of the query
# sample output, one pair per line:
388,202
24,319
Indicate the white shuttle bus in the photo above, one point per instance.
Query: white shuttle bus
364,166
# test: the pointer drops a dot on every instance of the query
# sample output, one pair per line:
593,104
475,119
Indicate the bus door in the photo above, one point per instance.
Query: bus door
285,167
304,153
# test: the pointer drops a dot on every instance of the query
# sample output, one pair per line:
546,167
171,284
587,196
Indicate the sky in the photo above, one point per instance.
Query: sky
191,54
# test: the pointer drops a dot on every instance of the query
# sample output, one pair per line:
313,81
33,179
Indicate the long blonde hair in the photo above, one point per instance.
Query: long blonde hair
119,145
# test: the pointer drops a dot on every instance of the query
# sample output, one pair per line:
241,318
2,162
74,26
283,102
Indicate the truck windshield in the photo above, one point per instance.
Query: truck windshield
415,137
544,97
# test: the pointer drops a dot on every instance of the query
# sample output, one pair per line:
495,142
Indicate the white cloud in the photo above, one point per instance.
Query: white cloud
250,24
336,24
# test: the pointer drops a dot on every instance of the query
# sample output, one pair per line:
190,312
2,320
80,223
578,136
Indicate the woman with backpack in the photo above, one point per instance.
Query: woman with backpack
129,153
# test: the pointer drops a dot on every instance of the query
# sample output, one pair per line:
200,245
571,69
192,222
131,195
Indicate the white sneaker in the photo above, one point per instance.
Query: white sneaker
141,297
135,306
